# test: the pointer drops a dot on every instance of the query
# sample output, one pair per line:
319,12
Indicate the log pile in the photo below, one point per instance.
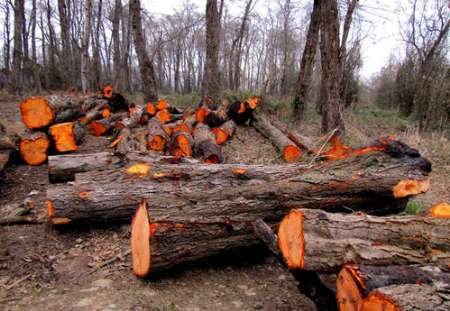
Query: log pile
165,174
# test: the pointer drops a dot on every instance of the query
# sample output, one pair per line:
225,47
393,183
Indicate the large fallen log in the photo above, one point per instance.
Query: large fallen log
242,192
62,168
40,112
289,150
407,297
205,146
320,241
356,285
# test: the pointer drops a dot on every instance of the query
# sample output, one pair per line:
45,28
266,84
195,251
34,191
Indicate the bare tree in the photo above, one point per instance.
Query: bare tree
117,61
85,46
211,78
145,65
6,41
36,78
17,78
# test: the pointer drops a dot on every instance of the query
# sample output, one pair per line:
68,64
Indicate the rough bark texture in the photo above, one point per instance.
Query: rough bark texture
205,146
211,76
216,193
289,150
407,297
303,142
307,64
85,46
157,138
145,64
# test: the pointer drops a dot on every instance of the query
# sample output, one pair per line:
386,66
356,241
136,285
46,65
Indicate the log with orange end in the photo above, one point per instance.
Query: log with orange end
33,148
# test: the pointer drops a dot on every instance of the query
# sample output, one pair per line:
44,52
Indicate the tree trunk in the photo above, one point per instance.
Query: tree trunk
66,60
17,75
332,117
355,283
62,168
307,64
289,150
85,46
211,77
36,77
117,60
145,64
243,192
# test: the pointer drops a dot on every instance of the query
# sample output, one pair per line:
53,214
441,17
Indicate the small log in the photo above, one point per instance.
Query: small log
62,168
303,142
40,112
157,138
135,114
163,116
355,282
319,241
33,147
239,112
92,102
247,193
162,104
116,101
290,151
216,118
224,132
201,113
150,109
181,145
104,127
66,136
205,146
407,297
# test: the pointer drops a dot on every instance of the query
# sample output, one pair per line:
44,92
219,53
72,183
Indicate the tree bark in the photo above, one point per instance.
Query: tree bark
36,77
243,192
85,46
211,77
117,58
307,64
17,75
145,64
205,146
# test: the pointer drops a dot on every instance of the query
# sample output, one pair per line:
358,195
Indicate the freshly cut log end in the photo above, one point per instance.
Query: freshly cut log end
348,289
378,302
409,187
216,118
163,116
106,113
60,221
221,136
141,169
181,145
291,241
33,148
36,112
151,109
239,113
162,104
291,153
441,210
156,136
158,143
63,134
140,241
182,127
107,91
50,209
253,102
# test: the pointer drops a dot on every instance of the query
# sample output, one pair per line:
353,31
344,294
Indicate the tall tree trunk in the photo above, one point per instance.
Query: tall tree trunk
7,43
145,65
97,63
329,45
117,61
85,47
17,77
36,78
66,60
307,64
52,70
211,81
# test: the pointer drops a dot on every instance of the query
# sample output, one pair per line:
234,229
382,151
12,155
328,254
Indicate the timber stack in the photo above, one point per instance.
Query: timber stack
165,175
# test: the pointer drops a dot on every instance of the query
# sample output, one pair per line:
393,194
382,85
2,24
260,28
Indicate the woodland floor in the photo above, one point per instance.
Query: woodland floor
45,269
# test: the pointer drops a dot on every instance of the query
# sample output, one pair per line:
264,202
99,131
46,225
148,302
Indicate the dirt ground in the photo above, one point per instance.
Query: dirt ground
89,269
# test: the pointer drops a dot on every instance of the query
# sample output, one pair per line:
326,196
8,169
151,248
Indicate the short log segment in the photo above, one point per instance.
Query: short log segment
205,146
303,142
289,150
62,168
8,145
320,241
407,297
40,112
236,192
357,285
181,144
33,147
157,138
135,114
104,126
239,112
66,136
224,132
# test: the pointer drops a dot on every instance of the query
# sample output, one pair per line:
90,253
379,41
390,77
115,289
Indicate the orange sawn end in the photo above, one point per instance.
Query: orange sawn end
150,108
158,143
64,137
221,135
162,104
376,301
253,102
291,153
408,187
33,150
36,112
141,169
163,116
140,241
348,289
441,210
107,91
291,241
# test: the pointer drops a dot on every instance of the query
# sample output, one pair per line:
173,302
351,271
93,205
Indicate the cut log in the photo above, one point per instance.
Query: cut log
150,109
320,241
8,146
290,151
201,113
163,116
157,138
224,132
66,136
62,168
216,118
162,104
235,192
239,112
407,297
135,114
101,110
40,112
181,144
354,283
441,210
205,146
303,142
104,127
33,147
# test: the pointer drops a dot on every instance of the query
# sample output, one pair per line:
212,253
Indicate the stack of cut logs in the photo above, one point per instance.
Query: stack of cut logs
314,217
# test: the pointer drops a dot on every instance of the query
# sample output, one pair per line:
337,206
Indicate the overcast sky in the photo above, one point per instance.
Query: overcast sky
381,26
